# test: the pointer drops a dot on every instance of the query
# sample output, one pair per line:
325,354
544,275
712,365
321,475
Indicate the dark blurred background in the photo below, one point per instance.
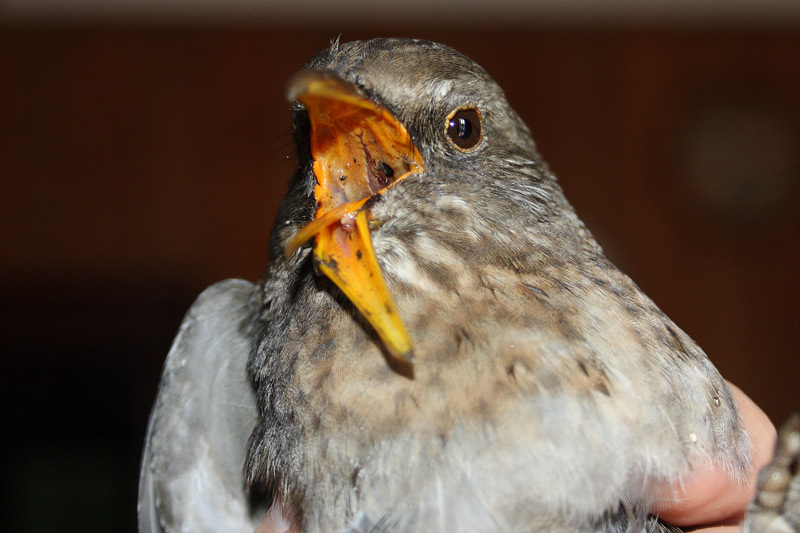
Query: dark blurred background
144,147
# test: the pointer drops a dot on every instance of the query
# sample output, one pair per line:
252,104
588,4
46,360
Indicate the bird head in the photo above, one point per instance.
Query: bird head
376,118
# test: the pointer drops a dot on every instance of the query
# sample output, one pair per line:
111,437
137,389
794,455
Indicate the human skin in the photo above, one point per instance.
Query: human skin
710,498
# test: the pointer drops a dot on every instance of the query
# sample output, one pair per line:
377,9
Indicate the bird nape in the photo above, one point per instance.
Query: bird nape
438,343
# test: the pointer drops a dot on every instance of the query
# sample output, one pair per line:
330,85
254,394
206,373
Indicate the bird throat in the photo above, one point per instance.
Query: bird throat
360,150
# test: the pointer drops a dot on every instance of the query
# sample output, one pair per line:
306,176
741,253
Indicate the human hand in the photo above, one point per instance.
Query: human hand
712,499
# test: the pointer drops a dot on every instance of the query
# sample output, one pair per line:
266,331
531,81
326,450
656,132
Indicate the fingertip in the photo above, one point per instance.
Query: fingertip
761,429
276,521
711,496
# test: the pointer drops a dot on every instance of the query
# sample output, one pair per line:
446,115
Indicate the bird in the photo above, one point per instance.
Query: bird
438,343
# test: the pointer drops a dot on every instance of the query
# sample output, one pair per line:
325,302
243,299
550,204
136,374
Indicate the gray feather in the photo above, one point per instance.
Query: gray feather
191,478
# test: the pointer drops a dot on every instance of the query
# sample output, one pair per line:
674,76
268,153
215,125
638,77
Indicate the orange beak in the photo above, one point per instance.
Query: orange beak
360,150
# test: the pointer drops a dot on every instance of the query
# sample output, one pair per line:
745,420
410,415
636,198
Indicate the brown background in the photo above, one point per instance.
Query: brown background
140,163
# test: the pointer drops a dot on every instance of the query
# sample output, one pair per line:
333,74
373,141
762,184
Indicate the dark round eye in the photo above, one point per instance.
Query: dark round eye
464,128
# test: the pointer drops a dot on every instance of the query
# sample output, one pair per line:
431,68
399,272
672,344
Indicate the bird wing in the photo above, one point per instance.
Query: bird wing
191,477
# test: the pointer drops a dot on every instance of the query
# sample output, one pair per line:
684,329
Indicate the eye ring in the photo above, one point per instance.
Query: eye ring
464,128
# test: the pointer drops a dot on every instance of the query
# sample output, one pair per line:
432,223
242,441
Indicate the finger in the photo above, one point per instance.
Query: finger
275,520
711,496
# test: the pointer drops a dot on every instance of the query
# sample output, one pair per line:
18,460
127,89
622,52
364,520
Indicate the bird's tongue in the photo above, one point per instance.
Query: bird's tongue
359,151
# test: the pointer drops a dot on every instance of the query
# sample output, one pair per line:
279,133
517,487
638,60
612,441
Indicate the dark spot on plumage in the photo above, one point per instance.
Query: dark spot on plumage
461,245
620,292
602,386
627,298
373,201
536,290
460,335
354,477
484,408
458,217
439,273
519,373
597,281
359,254
511,372
485,283
566,327
675,340
563,286
515,264
595,376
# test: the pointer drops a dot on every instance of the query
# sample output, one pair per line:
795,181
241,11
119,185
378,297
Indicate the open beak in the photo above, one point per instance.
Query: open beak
360,150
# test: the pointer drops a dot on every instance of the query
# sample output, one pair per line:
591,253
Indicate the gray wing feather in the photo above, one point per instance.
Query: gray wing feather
191,477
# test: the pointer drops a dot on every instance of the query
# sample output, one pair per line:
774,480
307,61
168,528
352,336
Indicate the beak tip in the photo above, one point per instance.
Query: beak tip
403,363
304,81
406,356
296,86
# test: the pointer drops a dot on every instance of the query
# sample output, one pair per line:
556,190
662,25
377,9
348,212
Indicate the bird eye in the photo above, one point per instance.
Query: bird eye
464,128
